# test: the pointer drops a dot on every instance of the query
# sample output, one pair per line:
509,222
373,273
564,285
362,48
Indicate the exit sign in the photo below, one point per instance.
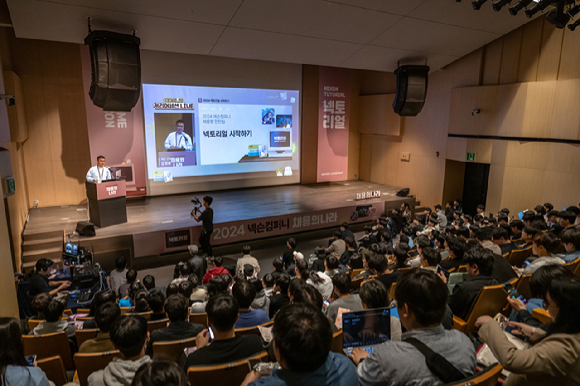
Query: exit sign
471,157
9,186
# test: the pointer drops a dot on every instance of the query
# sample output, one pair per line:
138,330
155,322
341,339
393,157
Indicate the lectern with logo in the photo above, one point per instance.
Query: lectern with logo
107,203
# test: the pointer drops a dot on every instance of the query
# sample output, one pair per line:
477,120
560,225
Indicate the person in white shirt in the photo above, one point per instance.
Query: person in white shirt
178,139
99,173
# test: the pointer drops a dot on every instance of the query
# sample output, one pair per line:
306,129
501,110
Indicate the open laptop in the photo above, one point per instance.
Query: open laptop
365,329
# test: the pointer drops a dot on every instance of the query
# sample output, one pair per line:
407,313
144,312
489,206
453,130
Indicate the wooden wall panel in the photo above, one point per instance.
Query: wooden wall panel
566,117
530,51
467,70
365,163
510,110
492,62
550,51
376,115
309,156
510,57
539,110
570,57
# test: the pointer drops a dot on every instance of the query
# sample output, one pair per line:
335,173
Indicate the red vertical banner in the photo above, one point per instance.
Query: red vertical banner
116,135
333,119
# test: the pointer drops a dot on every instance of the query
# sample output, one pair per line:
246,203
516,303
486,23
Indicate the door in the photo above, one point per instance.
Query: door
475,186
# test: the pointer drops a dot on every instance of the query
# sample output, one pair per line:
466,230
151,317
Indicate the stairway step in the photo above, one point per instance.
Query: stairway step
31,264
44,235
35,245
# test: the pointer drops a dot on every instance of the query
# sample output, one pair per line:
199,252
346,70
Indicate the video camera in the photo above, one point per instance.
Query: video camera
196,205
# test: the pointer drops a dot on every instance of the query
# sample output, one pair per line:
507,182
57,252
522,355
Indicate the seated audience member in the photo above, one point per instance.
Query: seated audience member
118,276
160,372
345,301
179,328
373,294
380,267
247,259
39,280
140,302
280,294
401,256
14,368
268,281
483,236
261,300
465,294
222,313
215,271
198,293
553,356
217,285
528,234
566,219
129,335
172,289
543,246
338,245
346,232
430,259
366,272
288,255
319,280
501,238
156,300
571,241
38,304
528,218
131,276
197,264
421,302
129,299
432,225
302,341
186,289
516,227
422,242
278,265
149,283
554,224
184,269
306,293
244,292
291,271
463,234
318,264
331,265
100,298
456,249
106,314
54,322
348,252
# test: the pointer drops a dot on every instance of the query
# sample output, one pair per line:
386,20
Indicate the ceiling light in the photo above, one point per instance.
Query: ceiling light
573,11
539,6
557,17
477,4
572,26
519,6
499,4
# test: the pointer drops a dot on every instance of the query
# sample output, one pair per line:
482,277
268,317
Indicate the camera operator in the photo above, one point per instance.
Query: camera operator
206,218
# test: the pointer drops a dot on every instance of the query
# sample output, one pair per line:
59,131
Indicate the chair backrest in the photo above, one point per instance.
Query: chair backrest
49,345
200,318
253,330
89,363
83,310
172,350
462,268
518,256
84,335
126,310
487,377
146,315
392,292
356,272
54,369
68,312
523,286
572,266
492,299
336,345
153,325
355,284
229,374
32,323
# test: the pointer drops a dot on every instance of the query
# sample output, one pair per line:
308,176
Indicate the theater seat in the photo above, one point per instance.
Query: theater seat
336,345
49,345
492,299
253,330
487,377
157,324
54,369
200,318
172,350
229,374
89,363
573,266
523,286
355,284
542,315
84,335
518,256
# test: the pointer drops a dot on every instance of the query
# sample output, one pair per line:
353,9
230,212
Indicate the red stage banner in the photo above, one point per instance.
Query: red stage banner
116,135
333,116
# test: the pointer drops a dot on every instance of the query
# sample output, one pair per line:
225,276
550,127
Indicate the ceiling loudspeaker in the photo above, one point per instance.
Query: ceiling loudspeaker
116,70
411,90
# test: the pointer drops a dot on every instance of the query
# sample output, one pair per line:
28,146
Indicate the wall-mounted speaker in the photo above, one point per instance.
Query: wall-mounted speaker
411,90
116,70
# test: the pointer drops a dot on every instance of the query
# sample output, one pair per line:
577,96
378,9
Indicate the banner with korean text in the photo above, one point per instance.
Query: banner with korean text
333,122
116,135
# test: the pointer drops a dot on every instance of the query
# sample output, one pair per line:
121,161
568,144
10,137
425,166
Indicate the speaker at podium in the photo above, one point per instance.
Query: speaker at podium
107,202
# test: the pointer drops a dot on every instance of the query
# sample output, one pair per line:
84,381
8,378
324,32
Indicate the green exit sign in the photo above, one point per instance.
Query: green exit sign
471,157
9,186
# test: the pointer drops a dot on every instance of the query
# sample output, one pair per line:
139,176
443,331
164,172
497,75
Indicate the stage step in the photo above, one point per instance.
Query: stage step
35,245
43,235
29,267
47,253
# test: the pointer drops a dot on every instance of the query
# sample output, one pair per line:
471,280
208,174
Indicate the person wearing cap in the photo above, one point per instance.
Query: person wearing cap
197,264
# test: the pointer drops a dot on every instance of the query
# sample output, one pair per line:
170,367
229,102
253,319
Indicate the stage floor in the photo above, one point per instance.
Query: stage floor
171,212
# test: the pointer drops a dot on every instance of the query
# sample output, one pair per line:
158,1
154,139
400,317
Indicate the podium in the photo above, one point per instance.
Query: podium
107,203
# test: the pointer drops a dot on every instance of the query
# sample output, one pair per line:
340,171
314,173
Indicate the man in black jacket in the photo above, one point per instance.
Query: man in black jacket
179,328
281,298
288,255
479,268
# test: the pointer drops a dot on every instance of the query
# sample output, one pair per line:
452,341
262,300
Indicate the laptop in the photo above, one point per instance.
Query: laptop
366,329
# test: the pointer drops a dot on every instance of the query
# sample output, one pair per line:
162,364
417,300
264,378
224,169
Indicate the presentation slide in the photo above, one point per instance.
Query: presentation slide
209,131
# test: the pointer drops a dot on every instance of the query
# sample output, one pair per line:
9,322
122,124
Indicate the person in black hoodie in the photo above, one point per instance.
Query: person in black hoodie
288,256
281,298
318,264
456,249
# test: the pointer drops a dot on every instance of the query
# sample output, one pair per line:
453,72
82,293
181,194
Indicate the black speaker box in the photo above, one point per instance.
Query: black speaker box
116,70
411,90
403,192
85,228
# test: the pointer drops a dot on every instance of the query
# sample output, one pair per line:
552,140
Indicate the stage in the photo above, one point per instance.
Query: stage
159,227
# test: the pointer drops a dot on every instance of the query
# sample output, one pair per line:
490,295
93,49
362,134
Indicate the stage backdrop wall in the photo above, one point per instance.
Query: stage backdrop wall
118,136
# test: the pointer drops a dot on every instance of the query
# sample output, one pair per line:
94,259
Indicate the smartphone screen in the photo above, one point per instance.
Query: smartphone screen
508,288
326,302
252,363
446,273
30,359
511,291
211,335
